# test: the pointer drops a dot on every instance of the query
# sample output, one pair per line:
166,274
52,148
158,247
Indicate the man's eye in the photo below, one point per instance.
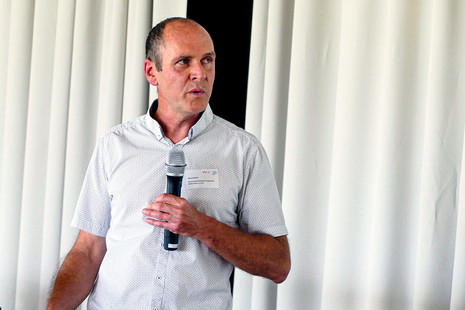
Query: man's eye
207,60
183,62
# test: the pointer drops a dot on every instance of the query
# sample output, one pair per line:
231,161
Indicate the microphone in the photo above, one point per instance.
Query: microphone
175,166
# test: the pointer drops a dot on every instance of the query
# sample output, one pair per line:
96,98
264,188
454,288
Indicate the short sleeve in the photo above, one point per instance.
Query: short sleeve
260,209
93,210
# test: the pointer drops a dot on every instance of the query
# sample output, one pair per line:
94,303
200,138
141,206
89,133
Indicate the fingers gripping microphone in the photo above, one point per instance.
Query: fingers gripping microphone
175,166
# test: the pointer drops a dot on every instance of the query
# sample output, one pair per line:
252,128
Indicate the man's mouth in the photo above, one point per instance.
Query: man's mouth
197,92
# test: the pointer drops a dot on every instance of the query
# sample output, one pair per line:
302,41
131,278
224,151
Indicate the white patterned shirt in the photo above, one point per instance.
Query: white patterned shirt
127,171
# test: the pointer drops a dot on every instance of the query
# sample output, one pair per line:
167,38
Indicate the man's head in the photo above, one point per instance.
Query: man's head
181,63
155,41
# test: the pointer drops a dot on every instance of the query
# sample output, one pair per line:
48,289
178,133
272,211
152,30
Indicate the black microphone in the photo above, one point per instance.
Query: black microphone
175,166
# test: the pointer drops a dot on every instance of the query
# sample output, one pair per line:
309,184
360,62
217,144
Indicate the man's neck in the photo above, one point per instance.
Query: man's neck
175,127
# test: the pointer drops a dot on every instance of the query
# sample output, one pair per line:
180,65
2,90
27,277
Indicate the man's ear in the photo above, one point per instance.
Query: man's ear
150,72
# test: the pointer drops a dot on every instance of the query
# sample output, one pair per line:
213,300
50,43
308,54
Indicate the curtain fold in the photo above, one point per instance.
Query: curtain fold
458,277
443,156
308,149
56,147
14,130
110,103
135,95
4,37
35,162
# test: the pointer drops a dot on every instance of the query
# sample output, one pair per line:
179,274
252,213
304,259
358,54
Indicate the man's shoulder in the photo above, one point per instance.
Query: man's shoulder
120,130
229,128
119,135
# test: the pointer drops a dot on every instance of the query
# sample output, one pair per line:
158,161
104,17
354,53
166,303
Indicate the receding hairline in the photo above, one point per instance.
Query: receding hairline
178,22
155,42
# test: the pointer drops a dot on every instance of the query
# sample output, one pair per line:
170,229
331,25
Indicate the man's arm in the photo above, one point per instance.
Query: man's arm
78,272
261,255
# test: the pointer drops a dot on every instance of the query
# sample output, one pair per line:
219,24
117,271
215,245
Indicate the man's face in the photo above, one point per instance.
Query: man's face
188,69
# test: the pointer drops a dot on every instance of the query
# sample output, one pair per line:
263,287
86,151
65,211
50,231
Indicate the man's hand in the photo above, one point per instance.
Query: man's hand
261,255
175,214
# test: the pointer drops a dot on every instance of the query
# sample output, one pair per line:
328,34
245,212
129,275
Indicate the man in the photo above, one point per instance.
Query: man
232,219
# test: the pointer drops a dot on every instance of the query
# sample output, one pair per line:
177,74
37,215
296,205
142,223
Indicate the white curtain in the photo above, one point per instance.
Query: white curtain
69,70
360,105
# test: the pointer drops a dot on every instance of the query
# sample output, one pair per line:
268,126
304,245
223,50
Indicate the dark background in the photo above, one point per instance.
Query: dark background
229,25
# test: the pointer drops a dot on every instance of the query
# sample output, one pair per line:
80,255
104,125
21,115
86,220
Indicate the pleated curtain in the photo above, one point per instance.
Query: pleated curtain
360,105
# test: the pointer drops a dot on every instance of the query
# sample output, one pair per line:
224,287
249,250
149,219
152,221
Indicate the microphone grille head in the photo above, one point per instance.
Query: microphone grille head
176,162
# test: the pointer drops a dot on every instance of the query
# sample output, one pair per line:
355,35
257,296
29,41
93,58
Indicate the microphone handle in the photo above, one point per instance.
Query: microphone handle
173,187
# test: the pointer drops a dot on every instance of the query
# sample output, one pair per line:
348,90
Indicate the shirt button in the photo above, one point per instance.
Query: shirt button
158,278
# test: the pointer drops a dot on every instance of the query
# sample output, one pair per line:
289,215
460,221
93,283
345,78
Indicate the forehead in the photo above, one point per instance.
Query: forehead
186,38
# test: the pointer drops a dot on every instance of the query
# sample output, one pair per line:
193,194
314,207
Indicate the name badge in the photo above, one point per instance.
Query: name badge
207,178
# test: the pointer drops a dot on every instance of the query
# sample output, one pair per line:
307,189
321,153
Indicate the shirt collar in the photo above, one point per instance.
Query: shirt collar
194,131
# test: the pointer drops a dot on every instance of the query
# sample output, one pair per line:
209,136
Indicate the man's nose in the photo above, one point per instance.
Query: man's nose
198,71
